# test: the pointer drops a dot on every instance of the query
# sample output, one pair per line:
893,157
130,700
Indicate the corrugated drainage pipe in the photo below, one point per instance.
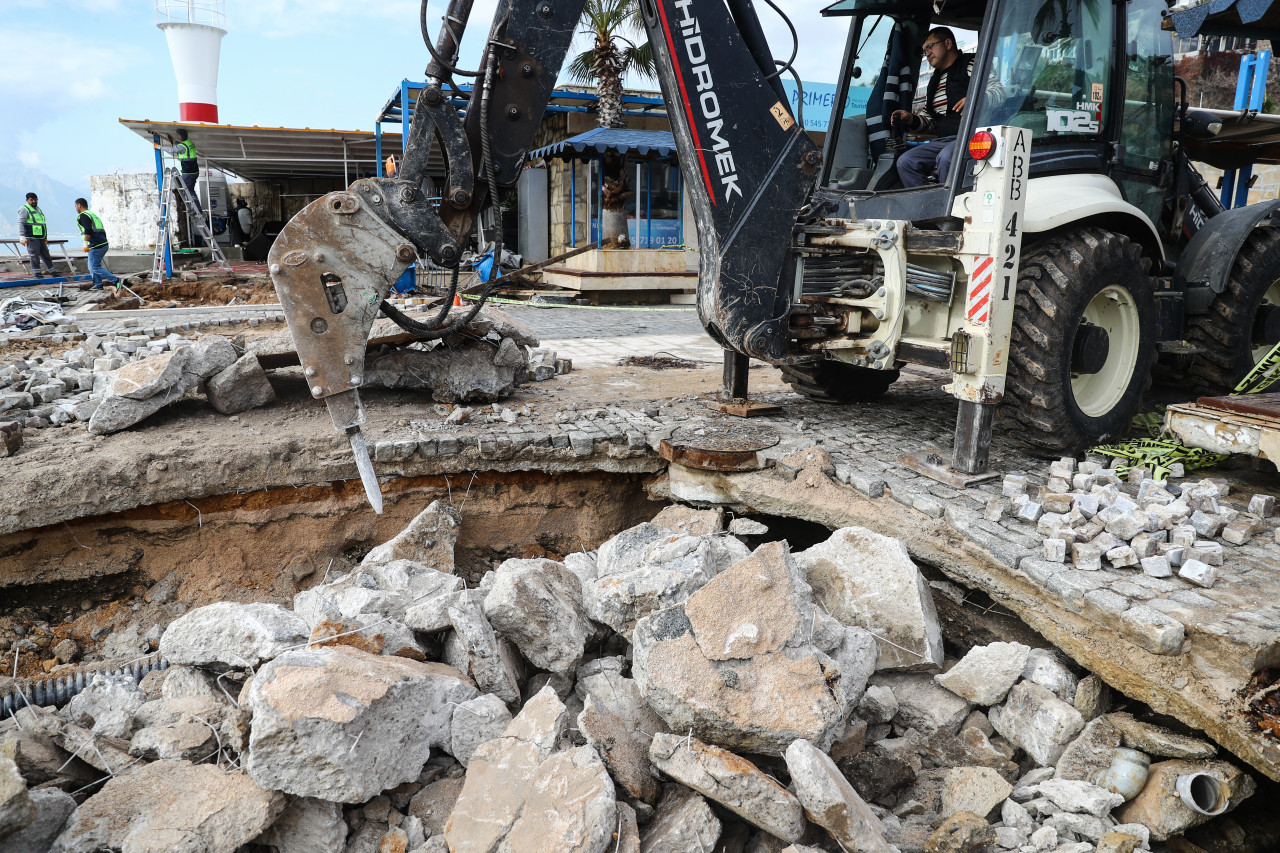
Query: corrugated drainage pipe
57,690
1202,793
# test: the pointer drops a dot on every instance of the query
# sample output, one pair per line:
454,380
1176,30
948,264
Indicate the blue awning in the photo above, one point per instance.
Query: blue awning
655,144
1258,19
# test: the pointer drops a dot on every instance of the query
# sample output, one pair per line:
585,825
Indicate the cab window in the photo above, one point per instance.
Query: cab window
860,122
1050,68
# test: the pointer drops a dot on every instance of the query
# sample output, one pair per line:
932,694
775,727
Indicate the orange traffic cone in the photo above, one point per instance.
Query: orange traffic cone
457,300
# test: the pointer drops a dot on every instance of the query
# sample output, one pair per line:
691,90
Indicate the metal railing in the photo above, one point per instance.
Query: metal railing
212,13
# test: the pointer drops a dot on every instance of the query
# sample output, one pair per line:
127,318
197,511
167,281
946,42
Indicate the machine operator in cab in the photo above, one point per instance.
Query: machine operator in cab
943,103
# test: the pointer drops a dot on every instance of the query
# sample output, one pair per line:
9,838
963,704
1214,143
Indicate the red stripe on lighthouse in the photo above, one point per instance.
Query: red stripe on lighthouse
192,111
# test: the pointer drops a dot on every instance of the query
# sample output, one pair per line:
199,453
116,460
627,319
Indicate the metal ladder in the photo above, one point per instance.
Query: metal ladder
164,237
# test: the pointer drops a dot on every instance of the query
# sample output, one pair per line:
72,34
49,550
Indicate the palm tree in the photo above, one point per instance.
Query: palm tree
610,57
608,22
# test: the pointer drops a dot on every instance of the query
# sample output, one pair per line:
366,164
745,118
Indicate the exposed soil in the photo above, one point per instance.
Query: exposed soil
146,566
208,290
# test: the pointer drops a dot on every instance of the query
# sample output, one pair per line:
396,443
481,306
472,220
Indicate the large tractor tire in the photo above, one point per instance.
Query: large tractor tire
1243,322
837,382
1084,330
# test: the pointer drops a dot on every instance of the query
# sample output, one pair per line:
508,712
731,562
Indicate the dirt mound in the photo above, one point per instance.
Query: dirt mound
219,290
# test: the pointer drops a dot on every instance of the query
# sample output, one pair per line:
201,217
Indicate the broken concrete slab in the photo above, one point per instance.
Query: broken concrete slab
429,539
1081,797
1046,668
16,808
139,380
53,807
731,781
386,713
1090,752
923,704
1038,721
231,635
537,604
474,722
1158,740
622,753
690,521
962,832
647,568
307,825
978,790
734,664
831,802
869,580
460,371
117,411
188,740
601,681
434,803
172,805
521,794
475,649
107,705
240,387
683,822
985,674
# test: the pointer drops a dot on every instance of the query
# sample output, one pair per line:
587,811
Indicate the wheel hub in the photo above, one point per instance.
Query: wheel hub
1266,326
1090,350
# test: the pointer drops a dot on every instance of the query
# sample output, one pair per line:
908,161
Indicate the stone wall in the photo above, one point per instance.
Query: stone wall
1265,188
129,208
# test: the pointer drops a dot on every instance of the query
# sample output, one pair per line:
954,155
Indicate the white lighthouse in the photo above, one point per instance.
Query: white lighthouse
194,31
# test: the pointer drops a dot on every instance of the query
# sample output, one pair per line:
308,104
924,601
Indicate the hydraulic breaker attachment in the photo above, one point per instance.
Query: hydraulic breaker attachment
332,265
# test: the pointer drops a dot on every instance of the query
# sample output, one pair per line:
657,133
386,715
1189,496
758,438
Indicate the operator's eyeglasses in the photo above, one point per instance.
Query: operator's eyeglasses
928,46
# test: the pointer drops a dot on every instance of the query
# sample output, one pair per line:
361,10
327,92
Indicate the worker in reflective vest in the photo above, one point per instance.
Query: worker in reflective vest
95,243
185,151
35,235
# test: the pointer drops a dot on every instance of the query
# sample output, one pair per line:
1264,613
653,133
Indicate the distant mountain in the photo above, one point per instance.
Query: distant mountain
57,200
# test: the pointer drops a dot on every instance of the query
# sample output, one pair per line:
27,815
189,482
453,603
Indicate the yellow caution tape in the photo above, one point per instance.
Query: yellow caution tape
1263,375
1157,455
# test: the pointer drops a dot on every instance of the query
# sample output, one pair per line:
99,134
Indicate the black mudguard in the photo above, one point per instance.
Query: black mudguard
1208,258
747,165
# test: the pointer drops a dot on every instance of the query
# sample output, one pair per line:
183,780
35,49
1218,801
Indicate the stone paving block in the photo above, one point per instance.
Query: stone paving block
1262,505
1156,632
1238,532
1072,584
1132,590
1157,566
1204,551
1106,603
927,505
1122,556
1040,570
1200,574
1192,598
1086,556
1058,502
1055,550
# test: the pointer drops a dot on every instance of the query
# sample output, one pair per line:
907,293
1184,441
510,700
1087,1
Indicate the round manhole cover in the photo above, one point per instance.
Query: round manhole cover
726,446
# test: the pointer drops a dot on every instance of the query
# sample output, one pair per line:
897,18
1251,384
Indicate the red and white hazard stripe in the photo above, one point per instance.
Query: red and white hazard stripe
979,304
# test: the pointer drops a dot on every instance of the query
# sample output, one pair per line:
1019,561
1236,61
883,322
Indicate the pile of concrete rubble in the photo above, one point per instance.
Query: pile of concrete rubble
673,690
111,382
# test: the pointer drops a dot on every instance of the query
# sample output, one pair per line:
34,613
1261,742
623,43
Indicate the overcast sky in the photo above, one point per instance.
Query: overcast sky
70,68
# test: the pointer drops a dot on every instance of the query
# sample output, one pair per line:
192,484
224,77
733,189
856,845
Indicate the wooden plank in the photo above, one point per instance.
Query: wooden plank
1258,405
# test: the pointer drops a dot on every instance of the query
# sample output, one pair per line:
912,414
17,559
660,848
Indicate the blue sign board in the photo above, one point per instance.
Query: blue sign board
818,100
